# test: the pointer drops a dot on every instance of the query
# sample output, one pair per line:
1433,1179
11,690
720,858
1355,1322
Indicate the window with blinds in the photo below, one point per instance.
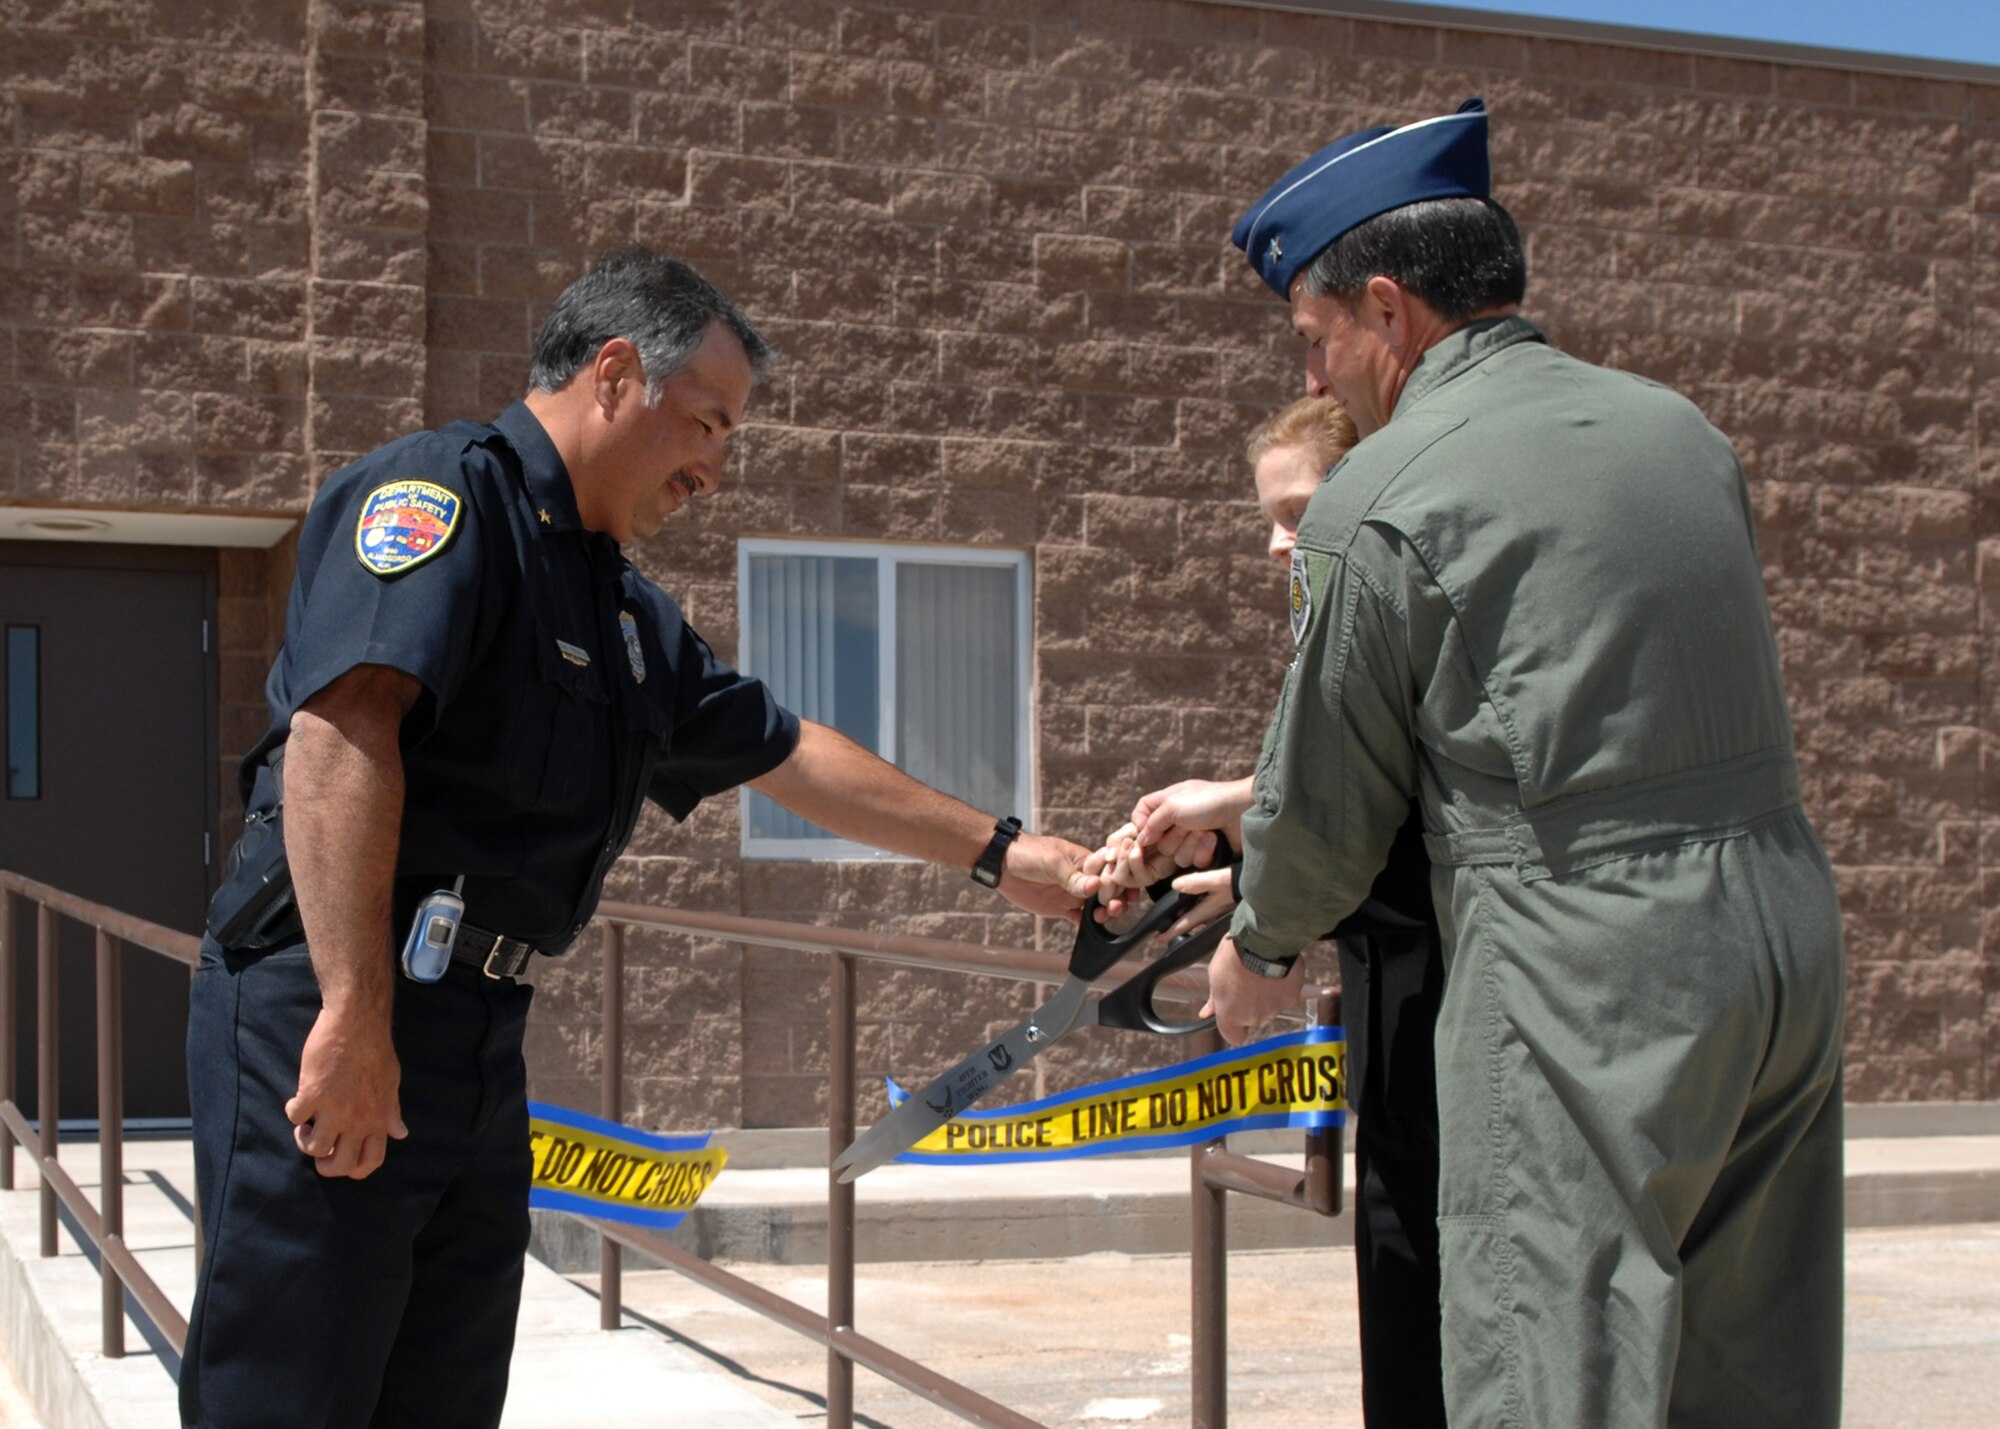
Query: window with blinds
919,653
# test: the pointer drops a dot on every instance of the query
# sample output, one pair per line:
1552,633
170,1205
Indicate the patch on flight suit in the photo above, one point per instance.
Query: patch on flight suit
1301,597
633,653
404,524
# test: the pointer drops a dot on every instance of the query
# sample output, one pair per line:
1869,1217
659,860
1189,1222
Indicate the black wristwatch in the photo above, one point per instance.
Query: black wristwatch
987,870
1266,967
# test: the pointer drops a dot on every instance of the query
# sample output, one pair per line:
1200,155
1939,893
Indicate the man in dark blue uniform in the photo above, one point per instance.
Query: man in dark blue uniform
475,693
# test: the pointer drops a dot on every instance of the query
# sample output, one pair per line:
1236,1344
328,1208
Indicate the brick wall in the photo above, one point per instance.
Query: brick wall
246,240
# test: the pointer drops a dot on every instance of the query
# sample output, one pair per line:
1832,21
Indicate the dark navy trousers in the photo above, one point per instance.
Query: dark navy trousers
384,1302
1391,985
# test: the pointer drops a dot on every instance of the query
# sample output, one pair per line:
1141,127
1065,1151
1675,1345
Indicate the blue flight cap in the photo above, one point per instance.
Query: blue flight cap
1353,179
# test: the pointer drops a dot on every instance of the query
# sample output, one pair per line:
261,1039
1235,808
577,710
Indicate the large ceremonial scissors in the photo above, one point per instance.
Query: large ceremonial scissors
1129,1006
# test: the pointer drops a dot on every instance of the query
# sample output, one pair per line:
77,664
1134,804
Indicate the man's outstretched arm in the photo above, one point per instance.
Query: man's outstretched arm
835,783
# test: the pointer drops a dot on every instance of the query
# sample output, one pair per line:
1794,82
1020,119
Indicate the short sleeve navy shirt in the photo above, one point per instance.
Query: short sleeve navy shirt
560,686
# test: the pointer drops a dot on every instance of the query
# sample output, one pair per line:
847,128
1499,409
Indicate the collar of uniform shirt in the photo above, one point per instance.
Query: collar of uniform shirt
542,466
1461,348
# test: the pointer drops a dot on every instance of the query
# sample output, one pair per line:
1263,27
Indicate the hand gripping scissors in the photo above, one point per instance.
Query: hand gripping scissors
1129,1006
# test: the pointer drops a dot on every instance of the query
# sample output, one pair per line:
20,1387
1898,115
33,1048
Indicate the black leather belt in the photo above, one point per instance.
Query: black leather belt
491,953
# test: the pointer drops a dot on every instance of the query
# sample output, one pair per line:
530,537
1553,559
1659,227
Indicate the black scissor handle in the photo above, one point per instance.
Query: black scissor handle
1130,1005
1098,949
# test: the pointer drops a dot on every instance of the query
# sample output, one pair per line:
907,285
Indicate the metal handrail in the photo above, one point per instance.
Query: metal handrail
103,1226
1214,1171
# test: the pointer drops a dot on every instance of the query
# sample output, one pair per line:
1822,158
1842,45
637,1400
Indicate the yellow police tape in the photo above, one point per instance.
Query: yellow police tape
592,1167
1296,1079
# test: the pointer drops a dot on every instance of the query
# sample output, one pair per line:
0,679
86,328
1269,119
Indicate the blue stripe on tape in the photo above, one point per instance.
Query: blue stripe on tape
563,1116
1306,1037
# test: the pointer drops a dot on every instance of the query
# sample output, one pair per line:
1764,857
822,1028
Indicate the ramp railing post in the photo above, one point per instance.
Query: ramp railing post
47,1008
1208,1274
10,1045
610,1254
840,1195
111,1132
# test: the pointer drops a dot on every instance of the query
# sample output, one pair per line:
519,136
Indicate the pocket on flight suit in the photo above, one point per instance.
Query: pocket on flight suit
572,705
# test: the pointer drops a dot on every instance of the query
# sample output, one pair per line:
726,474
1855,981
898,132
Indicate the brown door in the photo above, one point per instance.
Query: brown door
109,707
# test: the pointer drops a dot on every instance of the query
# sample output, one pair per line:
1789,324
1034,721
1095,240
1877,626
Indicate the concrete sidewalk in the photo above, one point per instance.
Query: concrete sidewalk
1102,1340
1059,1290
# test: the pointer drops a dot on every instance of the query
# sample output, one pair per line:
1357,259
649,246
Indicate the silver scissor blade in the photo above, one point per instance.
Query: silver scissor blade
964,1084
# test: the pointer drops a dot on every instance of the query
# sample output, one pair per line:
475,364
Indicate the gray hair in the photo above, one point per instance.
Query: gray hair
658,304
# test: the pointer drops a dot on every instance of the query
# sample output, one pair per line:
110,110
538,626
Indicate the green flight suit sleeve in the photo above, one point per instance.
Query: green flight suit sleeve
1338,770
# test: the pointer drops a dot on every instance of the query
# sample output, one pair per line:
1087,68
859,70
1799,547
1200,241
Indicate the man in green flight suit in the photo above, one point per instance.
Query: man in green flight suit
1531,599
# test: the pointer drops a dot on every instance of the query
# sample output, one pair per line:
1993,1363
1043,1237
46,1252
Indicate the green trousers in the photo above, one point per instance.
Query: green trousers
1640,1109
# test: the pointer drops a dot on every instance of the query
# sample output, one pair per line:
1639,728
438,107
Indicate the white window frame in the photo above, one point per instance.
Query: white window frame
887,556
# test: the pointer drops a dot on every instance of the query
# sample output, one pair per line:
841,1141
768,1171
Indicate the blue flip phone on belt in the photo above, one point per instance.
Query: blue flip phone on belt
427,951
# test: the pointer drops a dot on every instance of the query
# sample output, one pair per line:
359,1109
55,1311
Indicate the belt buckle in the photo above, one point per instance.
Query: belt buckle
507,958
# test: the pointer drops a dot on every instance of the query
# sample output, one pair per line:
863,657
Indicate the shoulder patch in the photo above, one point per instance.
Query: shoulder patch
1301,598
403,524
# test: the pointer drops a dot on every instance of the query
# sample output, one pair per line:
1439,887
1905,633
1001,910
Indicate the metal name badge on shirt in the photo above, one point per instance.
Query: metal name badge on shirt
404,524
633,652
1301,597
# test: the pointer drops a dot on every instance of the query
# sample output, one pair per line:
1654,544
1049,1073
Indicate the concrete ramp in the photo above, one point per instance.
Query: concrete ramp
566,1371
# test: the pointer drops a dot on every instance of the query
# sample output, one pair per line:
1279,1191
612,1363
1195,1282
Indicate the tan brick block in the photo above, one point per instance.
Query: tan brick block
586,114
368,84
473,324
368,368
1034,100
187,363
374,199
1081,262
807,25
246,81
137,185
278,367
225,422
906,462
981,42
773,130
841,190
887,35
473,215
371,27
360,424
379,312
952,199
243,308
346,143
697,236
735,181
1166,163
485,104
65,121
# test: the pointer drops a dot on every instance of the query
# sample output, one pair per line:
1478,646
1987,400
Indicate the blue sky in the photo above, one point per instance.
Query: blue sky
1964,30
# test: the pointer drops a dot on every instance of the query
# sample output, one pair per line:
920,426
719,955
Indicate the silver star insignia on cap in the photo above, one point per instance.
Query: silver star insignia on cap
1277,251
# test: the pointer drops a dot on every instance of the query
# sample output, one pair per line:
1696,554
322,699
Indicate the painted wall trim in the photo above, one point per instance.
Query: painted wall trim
1450,17
140,528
